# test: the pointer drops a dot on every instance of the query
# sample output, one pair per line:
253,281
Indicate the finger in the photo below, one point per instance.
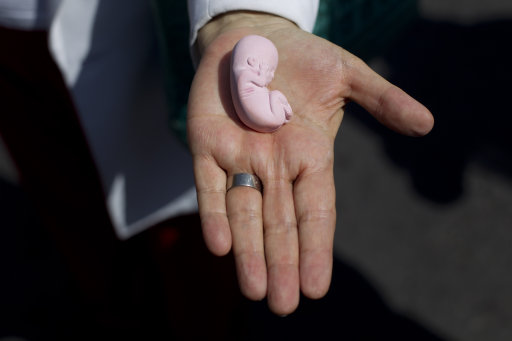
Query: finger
211,193
386,102
281,246
245,219
316,214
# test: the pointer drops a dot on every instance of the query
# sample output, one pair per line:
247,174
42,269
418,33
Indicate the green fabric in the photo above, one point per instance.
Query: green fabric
173,30
364,27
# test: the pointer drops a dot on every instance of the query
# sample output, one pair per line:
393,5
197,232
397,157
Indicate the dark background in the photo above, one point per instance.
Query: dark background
423,244
428,221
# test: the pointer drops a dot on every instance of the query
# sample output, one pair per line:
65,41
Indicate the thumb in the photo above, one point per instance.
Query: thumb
389,104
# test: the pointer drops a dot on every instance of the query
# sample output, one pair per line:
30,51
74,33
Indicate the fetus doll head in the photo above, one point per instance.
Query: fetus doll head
256,53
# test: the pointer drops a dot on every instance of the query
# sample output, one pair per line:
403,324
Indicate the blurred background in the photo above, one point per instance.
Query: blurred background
423,245
428,221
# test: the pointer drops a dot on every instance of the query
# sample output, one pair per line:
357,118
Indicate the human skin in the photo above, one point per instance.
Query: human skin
253,63
282,241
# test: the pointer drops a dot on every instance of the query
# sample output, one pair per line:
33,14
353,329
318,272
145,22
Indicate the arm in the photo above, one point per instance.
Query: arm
246,78
282,241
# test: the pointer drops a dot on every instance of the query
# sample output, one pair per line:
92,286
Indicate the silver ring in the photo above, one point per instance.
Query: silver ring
245,179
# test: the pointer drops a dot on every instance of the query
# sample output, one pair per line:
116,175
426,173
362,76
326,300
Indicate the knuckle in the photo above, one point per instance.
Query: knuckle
317,216
244,214
211,190
249,257
283,263
281,226
277,183
321,252
212,215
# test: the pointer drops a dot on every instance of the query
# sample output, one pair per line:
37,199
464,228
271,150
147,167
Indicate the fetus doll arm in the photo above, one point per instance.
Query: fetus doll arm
253,73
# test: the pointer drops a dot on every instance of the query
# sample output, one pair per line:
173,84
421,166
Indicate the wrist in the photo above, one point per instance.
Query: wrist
240,23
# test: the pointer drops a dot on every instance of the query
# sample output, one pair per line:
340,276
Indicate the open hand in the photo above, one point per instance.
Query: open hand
282,240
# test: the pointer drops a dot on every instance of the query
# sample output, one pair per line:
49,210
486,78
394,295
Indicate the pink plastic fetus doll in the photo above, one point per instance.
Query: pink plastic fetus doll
253,63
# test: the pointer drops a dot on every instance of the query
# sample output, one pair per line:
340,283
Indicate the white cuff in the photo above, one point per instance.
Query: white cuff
301,12
27,14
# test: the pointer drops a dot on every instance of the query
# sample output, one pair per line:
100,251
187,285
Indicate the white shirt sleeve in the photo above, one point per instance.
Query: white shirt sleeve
301,12
27,14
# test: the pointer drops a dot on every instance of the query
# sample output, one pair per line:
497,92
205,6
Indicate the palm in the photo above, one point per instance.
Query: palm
282,241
